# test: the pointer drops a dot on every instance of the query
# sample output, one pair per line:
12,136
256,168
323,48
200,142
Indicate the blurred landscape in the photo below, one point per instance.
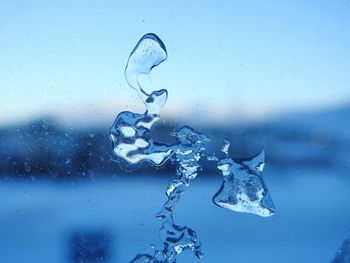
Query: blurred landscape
268,76
44,148
64,199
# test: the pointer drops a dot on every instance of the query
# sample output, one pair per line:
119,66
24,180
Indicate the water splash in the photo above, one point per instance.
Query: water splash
132,142
148,53
133,145
243,188
130,133
190,147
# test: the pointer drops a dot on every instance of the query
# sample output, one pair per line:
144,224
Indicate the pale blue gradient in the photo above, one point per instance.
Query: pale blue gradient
68,57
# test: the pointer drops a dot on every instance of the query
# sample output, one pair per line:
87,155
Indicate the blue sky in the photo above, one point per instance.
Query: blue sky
227,58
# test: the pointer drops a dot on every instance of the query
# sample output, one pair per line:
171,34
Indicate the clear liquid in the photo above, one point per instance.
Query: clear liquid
243,189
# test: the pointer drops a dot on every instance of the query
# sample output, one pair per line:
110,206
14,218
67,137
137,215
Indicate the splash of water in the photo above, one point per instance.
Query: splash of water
242,190
130,134
190,147
148,53
133,145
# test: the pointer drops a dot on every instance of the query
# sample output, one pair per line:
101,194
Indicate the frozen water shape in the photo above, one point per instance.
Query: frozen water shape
190,147
148,53
132,142
243,188
130,134
132,145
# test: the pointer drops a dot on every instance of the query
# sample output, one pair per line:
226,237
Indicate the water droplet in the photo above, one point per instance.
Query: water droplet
148,53
243,188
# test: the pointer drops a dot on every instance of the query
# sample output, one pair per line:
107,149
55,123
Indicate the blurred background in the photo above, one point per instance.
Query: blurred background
268,75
